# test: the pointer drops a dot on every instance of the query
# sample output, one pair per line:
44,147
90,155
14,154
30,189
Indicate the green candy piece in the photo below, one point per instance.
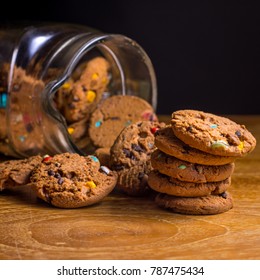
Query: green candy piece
219,144
182,166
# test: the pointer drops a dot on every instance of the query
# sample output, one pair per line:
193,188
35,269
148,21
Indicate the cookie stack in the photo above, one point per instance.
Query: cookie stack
195,160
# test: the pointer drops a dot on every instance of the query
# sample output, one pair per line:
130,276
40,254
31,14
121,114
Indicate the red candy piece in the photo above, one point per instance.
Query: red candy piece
46,158
154,129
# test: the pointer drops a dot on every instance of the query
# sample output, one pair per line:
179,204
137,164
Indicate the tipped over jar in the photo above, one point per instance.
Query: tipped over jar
52,76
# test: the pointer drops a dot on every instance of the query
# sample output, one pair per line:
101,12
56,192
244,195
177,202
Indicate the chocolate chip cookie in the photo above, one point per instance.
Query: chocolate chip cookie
81,96
169,185
114,114
166,141
16,172
190,172
71,181
206,205
130,156
212,134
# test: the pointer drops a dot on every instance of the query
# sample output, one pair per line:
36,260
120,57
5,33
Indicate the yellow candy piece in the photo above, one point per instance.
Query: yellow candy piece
94,76
70,130
91,184
90,96
66,86
241,146
104,80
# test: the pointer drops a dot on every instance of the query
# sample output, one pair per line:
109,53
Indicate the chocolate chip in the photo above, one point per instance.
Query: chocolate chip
238,133
140,175
224,195
71,106
60,181
84,88
46,194
137,148
189,128
117,167
51,173
127,152
29,127
133,157
57,175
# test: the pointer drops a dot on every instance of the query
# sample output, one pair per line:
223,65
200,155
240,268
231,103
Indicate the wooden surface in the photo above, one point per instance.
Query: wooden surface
122,227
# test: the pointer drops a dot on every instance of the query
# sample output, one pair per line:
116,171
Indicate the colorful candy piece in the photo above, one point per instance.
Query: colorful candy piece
22,138
3,99
182,166
154,129
105,169
95,159
91,184
213,125
46,158
98,123
127,123
90,96
94,76
219,144
241,145
66,86
71,130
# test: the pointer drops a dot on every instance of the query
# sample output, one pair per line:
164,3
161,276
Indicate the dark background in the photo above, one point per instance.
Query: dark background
206,54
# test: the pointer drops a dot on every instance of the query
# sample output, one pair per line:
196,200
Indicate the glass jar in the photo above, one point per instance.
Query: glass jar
37,61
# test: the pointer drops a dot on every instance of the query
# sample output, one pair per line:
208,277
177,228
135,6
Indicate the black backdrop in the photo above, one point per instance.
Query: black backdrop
206,54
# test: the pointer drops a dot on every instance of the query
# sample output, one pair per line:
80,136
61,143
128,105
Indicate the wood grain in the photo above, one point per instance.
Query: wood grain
121,227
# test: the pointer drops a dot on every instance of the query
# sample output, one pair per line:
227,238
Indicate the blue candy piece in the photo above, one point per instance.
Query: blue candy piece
94,158
98,123
213,125
3,99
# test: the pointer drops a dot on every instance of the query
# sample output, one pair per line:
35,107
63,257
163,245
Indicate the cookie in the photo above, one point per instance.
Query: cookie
206,205
130,156
166,141
95,75
26,131
71,181
212,134
190,172
165,184
114,114
17,172
80,97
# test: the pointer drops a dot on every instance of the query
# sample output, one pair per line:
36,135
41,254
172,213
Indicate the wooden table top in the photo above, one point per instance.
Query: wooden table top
122,227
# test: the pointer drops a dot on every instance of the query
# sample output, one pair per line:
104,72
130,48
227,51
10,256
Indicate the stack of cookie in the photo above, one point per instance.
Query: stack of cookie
195,160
